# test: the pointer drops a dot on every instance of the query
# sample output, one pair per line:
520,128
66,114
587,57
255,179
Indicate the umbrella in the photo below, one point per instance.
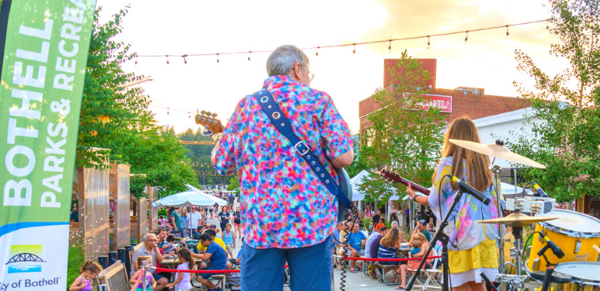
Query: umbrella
189,198
509,191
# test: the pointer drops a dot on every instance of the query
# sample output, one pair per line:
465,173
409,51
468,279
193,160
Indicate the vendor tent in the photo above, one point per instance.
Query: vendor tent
189,198
508,190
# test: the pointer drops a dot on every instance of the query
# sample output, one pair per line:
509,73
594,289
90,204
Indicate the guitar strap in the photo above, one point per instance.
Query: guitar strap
281,122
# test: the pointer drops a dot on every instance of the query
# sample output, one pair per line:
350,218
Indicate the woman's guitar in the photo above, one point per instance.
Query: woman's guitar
394,177
214,126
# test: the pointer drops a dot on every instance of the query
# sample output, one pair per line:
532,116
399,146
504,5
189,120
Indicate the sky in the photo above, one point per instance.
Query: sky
487,60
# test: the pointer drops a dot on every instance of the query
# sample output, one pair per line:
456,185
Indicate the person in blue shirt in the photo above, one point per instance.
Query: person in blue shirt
355,242
217,259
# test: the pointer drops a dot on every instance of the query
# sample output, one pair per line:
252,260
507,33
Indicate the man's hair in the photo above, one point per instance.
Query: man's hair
210,232
170,238
382,229
205,237
282,60
146,236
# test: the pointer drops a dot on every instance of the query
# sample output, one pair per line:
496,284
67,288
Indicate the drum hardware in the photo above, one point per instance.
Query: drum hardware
578,245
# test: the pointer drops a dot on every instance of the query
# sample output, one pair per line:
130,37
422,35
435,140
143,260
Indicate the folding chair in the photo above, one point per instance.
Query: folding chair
429,274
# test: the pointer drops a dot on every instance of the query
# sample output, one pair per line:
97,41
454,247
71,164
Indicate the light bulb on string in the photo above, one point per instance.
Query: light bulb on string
467,37
249,54
547,24
217,57
317,54
136,58
354,50
507,34
428,43
184,59
390,47
167,59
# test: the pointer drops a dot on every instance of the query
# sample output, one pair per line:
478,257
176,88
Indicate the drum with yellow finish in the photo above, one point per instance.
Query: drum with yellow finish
575,233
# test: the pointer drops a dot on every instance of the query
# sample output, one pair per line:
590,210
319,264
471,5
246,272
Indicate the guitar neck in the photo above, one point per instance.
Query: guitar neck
394,177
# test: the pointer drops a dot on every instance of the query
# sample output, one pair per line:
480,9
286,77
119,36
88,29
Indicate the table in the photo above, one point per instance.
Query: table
173,263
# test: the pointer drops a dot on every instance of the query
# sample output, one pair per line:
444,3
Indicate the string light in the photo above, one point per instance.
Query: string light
167,59
366,42
467,37
428,43
390,47
136,60
249,54
184,60
507,34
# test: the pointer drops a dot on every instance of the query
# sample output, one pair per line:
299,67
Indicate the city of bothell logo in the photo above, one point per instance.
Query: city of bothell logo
25,259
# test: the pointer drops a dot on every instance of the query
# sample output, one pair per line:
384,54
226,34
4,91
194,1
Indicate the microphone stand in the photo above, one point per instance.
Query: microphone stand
444,239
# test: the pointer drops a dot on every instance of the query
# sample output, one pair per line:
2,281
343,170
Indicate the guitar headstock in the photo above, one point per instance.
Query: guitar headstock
210,122
386,173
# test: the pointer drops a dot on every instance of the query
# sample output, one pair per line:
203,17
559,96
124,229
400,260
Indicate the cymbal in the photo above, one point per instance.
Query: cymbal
517,220
497,151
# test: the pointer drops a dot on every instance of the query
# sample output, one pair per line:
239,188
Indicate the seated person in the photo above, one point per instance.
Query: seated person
169,246
355,242
424,245
214,228
216,258
388,249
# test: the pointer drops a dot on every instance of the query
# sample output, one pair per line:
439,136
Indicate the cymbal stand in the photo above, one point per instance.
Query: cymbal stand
500,240
444,239
517,282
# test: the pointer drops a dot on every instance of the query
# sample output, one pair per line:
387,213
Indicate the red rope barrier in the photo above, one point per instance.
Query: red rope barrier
388,260
159,270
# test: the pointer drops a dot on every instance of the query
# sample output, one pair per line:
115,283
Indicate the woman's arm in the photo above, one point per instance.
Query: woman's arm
134,277
424,248
423,200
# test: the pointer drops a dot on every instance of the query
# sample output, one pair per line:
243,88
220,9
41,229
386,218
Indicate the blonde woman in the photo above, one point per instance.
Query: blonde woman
472,247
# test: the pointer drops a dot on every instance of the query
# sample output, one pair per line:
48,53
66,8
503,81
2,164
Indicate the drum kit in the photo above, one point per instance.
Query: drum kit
572,237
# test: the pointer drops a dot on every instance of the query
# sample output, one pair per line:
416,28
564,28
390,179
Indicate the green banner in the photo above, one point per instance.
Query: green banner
44,44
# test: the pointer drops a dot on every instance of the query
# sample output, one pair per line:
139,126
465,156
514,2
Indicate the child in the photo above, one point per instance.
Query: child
137,277
183,281
169,247
416,244
89,270
229,238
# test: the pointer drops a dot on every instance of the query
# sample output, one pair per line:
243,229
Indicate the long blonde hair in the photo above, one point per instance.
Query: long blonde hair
390,240
479,175
184,212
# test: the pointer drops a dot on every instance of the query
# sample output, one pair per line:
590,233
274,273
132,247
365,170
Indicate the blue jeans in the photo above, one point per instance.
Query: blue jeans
310,268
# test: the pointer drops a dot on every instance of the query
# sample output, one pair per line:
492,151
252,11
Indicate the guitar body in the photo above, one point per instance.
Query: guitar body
346,187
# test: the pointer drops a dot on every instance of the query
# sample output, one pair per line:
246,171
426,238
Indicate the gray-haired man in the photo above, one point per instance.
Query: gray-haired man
288,214
150,249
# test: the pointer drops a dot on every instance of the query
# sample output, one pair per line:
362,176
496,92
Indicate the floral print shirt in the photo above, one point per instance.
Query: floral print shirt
462,229
283,203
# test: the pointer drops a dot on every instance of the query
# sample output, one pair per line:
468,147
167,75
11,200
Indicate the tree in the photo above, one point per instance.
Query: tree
566,118
234,183
403,135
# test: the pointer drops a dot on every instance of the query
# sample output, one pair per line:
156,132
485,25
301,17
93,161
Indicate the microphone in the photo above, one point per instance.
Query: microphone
538,191
555,249
466,188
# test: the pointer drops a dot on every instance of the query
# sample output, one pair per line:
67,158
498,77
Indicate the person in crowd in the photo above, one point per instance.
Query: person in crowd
374,247
175,219
170,244
183,280
203,215
336,233
370,240
302,219
151,249
423,244
388,249
380,224
467,238
355,242
89,270
140,273
237,222
216,258
184,222
194,219
210,209
422,228
368,211
431,229
162,221
376,218
224,217
393,213
395,224
162,238
74,215
229,239
214,228
214,238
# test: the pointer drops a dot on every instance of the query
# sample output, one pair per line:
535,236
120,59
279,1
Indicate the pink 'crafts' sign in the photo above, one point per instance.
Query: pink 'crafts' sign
438,101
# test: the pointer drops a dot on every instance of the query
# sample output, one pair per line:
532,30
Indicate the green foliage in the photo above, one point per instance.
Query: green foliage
402,136
200,158
162,212
234,183
366,222
76,257
565,118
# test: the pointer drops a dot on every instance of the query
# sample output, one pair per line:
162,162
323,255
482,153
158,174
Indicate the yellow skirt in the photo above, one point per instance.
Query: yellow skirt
481,256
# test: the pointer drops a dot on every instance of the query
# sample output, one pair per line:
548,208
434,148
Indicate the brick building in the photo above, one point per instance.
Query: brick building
467,101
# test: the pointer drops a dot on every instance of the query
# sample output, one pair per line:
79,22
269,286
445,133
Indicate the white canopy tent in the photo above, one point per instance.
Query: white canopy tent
189,198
